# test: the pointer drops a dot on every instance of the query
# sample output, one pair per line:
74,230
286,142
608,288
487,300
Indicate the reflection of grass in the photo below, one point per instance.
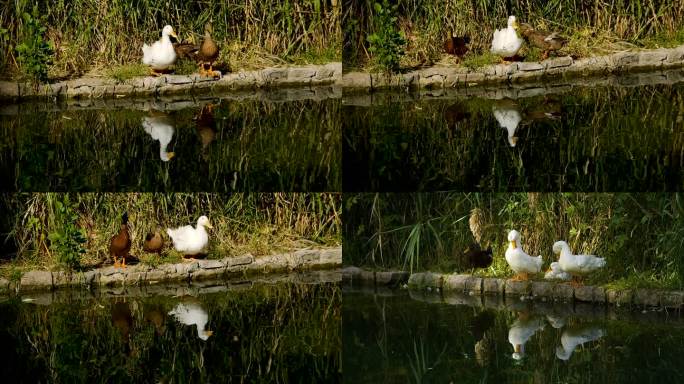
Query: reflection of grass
276,330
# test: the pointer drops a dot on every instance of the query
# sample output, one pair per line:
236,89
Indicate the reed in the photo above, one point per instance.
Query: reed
91,34
593,26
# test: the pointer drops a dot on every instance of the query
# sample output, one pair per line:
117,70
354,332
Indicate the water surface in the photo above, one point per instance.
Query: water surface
576,138
265,143
251,333
394,337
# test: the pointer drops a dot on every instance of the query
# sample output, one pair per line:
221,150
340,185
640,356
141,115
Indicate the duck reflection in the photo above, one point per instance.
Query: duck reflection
206,126
455,115
507,113
160,126
191,313
480,326
155,315
575,336
122,318
521,331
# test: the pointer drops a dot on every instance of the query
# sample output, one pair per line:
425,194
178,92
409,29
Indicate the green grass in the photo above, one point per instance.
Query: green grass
639,234
243,223
128,71
474,61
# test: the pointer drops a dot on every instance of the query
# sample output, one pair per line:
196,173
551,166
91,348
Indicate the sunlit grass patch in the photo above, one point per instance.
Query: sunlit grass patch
128,71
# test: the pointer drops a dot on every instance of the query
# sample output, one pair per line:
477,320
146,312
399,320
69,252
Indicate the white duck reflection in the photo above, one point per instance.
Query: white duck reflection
507,113
572,337
521,331
189,313
160,126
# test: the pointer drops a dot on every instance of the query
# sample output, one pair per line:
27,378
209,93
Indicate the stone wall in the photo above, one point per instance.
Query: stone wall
197,270
438,77
519,290
99,87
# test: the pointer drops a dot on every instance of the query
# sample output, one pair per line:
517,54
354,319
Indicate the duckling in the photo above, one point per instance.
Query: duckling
456,45
120,244
208,53
154,242
477,258
547,42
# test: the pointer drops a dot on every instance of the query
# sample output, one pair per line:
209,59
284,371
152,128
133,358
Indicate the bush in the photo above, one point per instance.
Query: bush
67,239
387,43
34,53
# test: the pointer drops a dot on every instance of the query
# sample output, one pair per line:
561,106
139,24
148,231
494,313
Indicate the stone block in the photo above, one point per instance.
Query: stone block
619,297
210,264
672,299
647,297
517,288
542,289
455,282
425,279
391,277
563,292
240,260
493,286
62,278
559,62
36,280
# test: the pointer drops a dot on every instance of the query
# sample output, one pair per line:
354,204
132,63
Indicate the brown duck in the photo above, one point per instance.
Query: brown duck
456,45
154,242
120,244
208,53
206,126
478,258
547,42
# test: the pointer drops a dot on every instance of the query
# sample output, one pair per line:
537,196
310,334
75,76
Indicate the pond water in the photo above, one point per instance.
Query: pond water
424,338
210,144
263,332
573,138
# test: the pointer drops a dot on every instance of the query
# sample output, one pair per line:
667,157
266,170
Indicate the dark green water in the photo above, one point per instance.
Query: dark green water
240,145
392,337
265,333
593,139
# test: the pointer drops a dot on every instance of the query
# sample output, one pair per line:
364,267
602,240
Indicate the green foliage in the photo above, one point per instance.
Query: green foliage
128,71
387,42
34,53
67,238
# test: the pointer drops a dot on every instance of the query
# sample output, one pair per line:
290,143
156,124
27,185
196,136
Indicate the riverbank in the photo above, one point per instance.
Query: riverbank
521,290
100,87
197,270
459,76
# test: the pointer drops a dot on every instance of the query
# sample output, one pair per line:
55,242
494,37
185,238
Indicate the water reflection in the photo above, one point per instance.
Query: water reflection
466,339
507,114
588,139
191,313
270,332
576,336
160,126
216,145
521,331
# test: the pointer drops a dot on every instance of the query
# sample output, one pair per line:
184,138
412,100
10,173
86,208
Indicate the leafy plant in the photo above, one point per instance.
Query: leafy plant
67,239
387,43
35,54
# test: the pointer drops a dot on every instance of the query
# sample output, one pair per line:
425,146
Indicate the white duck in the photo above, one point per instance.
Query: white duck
520,262
576,265
506,42
556,273
521,331
509,117
160,55
188,240
193,314
159,126
571,338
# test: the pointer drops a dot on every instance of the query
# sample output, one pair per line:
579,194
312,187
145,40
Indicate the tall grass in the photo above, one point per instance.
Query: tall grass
591,24
94,34
256,223
639,234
